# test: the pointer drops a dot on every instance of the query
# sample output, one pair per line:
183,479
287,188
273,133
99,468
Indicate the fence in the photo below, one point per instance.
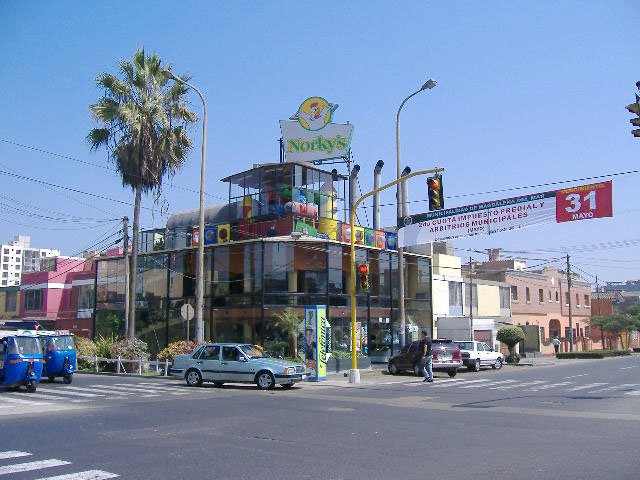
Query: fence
161,366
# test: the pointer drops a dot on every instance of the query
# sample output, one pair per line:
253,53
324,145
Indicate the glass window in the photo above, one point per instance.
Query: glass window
586,301
210,352
278,261
11,301
577,299
557,297
527,294
514,293
540,295
33,299
230,354
504,297
566,298
455,294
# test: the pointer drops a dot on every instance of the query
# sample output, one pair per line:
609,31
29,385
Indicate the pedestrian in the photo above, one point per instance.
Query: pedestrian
426,360
556,343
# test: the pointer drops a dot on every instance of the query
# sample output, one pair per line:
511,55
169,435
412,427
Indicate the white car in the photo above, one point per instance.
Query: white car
479,354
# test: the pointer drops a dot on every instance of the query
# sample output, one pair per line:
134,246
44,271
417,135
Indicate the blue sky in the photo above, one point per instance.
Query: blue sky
528,93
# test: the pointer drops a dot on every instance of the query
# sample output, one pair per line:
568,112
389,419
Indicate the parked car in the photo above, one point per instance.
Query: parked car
222,363
446,356
479,354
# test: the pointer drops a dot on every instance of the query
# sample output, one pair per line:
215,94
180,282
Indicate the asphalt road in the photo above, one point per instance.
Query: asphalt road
578,419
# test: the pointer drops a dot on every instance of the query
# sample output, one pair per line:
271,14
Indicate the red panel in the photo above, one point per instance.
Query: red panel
584,202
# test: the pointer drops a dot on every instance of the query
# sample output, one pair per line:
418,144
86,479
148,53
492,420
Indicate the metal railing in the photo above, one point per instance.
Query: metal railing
161,367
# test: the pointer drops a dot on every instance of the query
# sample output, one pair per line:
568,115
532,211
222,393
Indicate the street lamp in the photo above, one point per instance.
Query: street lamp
199,324
429,84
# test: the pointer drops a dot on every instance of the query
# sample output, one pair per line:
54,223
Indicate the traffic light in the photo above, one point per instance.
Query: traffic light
635,109
436,197
362,271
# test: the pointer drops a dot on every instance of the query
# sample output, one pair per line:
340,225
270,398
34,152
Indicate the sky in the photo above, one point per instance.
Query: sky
529,94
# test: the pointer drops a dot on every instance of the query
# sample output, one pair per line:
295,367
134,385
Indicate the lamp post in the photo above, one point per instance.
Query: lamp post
429,84
199,324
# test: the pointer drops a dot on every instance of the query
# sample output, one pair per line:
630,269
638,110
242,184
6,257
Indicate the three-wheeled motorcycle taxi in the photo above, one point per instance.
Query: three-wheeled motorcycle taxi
21,360
59,349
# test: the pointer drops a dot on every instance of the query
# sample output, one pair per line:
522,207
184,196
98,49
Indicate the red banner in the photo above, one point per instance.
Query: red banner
584,202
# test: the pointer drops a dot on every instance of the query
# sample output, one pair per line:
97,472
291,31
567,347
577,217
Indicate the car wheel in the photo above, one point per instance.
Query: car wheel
393,368
287,386
31,386
193,378
475,366
67,379
452,373
417,371
265,380
218,384
498,364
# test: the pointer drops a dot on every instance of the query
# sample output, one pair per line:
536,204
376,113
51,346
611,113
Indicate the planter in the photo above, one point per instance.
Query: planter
335,365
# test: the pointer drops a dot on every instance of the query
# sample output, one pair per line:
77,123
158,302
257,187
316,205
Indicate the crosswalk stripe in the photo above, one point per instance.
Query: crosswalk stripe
584,387
13,454
616,387
21,401
70,393
166,386
148,388
36,395
27,467
546,387
482,385
634,393
118,390
93,388
144,388
87,475
453,382
517,385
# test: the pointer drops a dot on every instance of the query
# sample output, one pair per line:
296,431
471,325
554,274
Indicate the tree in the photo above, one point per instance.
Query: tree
143,120
289,321
619,323
511,336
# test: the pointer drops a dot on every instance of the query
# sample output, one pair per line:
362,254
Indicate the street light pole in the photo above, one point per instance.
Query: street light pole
429,84
199,324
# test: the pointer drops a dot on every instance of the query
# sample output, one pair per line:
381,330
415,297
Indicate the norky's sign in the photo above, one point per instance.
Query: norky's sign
309,134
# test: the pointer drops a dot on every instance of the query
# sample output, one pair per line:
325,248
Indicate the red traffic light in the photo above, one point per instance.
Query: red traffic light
363,269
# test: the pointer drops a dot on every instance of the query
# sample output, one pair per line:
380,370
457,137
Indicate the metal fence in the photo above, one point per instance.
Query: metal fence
136,366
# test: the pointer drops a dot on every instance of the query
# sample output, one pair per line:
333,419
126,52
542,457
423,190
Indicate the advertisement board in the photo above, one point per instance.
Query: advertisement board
566,205
309,135
315,344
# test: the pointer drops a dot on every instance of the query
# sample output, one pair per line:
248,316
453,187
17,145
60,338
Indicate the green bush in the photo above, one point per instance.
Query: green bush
179,347
593,354
514,358
85,348
344,354
131,349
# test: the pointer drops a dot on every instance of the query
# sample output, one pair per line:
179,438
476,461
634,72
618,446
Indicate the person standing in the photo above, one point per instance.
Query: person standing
556,343
426,361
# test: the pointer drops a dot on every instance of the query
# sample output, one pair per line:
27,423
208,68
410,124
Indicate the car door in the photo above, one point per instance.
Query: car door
480,353
209,362
490,355
234,366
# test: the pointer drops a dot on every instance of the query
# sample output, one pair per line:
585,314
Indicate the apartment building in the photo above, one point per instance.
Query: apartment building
18,257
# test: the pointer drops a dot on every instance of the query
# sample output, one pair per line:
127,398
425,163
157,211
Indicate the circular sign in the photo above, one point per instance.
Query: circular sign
187,311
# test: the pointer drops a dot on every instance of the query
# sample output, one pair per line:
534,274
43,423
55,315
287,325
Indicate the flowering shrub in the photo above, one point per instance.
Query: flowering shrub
129,349
85,348
178,348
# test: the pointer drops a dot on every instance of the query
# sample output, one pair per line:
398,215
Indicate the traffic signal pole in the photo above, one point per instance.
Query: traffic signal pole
354,374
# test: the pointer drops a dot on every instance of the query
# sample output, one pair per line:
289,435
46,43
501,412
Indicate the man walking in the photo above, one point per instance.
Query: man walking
556,344
426,364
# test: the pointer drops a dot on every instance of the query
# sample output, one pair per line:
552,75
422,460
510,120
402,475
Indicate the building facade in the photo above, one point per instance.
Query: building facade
19,258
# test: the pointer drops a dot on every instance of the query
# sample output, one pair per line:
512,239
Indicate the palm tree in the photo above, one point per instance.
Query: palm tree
289,321
143,120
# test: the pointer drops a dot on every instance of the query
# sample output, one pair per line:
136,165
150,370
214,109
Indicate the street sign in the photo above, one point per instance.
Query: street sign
584,202
187,311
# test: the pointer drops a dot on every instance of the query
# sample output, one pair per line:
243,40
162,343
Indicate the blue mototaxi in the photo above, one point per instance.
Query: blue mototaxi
21,360
59,349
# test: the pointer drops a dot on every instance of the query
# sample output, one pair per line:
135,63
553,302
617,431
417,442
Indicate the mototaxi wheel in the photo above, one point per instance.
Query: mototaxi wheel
68,378
31,385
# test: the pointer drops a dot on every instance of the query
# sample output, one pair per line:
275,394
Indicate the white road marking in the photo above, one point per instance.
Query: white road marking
584,387
36,395
147,388
134,390
27,467
93,388
615,387
576,376
545,387
21,401
482,385
633,393
455,383
13,454
70,393
87,475
505,387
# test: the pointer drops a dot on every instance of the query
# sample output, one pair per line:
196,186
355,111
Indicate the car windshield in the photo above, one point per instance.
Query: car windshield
24,346
252,351
66,342
465,345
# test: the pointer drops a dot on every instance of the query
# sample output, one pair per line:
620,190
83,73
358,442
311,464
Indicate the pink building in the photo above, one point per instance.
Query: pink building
63,292
540,302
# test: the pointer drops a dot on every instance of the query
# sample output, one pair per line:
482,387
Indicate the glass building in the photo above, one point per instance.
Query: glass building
255,269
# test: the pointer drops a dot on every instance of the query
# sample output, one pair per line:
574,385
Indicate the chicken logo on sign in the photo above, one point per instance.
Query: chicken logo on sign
314,113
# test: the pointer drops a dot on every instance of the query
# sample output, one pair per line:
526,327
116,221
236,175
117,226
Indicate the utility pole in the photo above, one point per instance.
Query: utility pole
125,248
569,302
599,313
470,300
